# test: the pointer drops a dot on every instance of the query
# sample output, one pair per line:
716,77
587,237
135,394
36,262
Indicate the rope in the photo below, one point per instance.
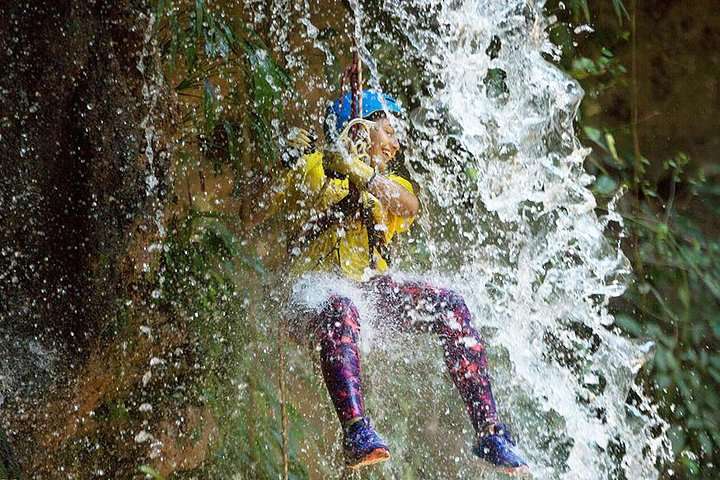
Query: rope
283,405
353,77
357,144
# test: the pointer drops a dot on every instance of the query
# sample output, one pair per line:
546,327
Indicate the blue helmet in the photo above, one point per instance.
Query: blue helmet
372,102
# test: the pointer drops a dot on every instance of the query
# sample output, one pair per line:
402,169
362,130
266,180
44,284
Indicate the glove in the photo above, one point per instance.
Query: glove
301,139
359,172
300,142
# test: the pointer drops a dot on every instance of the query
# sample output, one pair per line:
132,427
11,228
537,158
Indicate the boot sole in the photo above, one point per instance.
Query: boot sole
376,456
518,472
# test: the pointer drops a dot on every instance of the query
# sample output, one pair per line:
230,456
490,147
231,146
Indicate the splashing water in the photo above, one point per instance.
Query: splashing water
509,221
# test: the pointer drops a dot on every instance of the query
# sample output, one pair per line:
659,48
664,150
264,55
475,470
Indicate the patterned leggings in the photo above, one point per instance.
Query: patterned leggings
337,327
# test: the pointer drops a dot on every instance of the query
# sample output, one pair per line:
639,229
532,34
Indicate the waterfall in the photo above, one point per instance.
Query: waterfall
508,220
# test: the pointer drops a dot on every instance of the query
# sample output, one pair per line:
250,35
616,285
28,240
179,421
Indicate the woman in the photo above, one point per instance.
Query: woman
353,210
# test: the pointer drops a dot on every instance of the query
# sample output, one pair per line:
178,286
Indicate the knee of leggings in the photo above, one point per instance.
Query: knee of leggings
340,304
452,300
339,307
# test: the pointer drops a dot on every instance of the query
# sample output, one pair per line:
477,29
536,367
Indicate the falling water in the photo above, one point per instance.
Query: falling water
507,220
510,222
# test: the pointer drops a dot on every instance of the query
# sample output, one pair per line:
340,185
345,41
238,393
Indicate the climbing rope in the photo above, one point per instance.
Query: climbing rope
353,77
283,404
355,137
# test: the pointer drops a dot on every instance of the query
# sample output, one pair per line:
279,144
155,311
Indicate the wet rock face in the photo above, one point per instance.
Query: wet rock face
678,45
76,212
73,181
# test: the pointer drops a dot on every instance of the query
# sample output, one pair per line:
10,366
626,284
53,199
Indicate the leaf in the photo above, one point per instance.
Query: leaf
159,11
191,54
209,106
606,52
229,35
267,84
586,10
663,380
232,142
685,392
684,295
628,324
150,472
222,242
610,140
620,10
594,134
678,438
223,46
472,173
705,442
715,374
583,67
605,185
199,18
211,48
184,84
582,6
691,465
267,77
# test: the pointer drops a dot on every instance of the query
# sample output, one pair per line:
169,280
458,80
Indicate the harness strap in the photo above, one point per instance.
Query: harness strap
350,207
336,213
376,238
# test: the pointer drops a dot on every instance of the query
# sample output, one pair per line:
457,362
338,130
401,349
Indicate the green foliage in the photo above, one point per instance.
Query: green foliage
675,302
226,66
594,60
210,279
248,403
604,64
210,106
232,93
581,11
266,82
204,251
150,472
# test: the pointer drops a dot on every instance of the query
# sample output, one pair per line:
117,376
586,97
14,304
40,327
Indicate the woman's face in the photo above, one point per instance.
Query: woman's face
384,144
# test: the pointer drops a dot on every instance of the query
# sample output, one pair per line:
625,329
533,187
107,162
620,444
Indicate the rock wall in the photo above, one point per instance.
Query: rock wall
78,215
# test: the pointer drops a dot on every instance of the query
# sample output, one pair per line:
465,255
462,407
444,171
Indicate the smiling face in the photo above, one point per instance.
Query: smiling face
384,144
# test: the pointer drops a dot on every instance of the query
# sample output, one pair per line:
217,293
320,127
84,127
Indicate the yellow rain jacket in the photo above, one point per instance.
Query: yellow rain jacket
343,246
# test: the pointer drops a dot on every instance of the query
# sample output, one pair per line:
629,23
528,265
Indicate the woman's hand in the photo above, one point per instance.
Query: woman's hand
300,142
301,139
395,198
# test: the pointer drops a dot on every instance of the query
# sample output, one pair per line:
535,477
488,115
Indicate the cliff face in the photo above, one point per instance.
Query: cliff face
678,90
74,184
81,202
679,95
